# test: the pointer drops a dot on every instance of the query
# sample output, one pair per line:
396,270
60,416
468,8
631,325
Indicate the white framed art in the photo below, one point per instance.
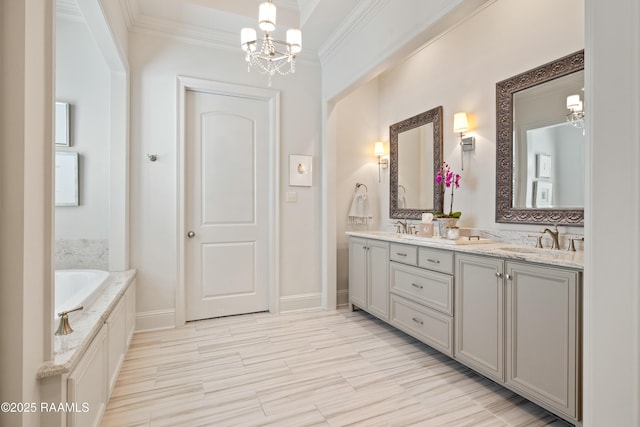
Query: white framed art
543,194
300,170
62,124
543,165
66,179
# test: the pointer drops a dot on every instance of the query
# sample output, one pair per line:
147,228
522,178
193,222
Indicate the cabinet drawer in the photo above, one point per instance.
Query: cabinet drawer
405,254
435,290
427,325
436,260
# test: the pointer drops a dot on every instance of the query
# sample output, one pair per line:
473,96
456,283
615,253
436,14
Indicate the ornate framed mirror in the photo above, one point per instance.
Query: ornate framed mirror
415,156
540,148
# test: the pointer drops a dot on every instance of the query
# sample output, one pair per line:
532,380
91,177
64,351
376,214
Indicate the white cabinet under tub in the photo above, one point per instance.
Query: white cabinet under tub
84,378
513,321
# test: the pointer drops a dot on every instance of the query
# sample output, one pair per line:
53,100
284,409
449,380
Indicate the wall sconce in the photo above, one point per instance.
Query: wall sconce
467,143
378,150
576,113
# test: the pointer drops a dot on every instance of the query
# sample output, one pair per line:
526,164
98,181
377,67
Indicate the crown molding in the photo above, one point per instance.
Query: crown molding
68,9
288,4
191,34
129,12
306,10
359,16
200,36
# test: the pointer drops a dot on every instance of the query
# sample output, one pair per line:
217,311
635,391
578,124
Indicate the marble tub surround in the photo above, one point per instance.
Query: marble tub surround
85,324
502,249
82,254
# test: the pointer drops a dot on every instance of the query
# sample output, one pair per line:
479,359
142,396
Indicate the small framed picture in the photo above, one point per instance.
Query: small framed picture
300,170
66,179
543,166
62,124
543,194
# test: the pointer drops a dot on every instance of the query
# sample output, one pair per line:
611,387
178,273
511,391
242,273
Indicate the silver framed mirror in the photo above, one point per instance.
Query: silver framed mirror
540,148
415,156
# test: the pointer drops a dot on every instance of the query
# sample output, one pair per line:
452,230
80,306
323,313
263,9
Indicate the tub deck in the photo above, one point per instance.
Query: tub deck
86,325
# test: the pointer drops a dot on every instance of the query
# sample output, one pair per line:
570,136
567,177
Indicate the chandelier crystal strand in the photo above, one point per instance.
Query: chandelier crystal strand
269,55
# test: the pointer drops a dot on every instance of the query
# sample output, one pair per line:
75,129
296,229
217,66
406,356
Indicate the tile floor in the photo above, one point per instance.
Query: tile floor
314,368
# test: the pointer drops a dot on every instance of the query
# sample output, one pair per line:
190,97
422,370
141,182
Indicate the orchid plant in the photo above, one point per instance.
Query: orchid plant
445,175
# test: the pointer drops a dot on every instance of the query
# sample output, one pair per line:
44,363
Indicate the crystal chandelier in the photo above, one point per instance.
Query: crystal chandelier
575,117
269,55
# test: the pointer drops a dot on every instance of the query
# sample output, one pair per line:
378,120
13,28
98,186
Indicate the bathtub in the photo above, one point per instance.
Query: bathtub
77,287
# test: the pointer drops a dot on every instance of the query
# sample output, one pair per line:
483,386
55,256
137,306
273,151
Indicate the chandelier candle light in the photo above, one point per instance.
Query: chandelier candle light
269,55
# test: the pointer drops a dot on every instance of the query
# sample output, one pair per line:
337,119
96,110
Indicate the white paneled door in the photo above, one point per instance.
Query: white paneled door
226,205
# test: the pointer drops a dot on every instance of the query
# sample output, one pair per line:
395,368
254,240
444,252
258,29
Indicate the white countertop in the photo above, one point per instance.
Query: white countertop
560,258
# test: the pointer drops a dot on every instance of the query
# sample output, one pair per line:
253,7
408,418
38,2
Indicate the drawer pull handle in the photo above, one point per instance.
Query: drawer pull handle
435,261
498,274
508,276
415,285
401,254
418,321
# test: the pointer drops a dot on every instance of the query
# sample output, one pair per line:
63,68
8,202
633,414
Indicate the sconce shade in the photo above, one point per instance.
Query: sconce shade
267,16
378,149
460,122
574,103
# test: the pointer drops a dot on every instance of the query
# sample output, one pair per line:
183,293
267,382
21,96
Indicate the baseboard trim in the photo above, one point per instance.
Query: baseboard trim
300,302
155,319
342,297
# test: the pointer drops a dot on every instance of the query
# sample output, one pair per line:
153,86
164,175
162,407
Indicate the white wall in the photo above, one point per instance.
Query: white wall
379,34
155,63
459,71
356,132
612,218
26,202
116,21
84,81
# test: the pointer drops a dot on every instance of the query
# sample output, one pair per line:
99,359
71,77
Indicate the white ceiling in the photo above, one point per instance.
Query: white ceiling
222,20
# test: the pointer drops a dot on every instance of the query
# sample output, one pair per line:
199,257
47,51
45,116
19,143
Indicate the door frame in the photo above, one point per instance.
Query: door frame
272,97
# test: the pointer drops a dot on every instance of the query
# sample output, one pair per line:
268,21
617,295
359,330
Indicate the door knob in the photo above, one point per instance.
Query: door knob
191,234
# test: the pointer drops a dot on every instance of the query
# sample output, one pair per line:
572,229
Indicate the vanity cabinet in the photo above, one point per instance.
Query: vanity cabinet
369,276
479,314
519,324
543,335
422,294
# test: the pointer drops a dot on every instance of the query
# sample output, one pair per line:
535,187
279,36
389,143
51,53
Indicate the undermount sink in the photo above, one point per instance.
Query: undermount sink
532,251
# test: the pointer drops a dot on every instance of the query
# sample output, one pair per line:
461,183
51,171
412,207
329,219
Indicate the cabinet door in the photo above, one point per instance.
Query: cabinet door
358,272
543,335
479,318
88,383
378,279
117,342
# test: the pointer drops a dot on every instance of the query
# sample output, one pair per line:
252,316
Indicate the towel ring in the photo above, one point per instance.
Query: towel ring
366,190
404,190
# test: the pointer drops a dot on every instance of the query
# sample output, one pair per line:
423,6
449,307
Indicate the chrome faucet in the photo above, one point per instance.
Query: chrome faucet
402,226
554,236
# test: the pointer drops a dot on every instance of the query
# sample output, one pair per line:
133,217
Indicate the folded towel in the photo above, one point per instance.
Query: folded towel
360,212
